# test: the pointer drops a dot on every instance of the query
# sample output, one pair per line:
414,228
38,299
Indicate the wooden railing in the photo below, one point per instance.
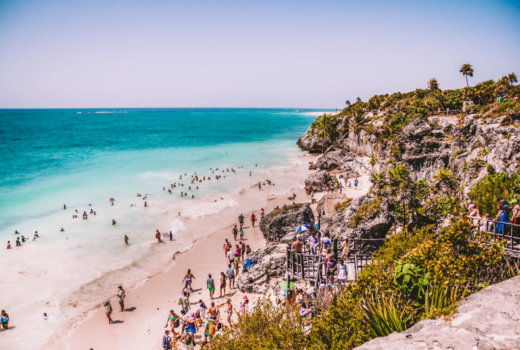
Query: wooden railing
506,231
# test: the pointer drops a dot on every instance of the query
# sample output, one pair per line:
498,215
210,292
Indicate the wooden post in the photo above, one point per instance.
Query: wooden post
303,266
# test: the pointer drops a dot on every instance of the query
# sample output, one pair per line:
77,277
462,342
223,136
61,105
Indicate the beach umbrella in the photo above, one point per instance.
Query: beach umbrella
283,285
303,228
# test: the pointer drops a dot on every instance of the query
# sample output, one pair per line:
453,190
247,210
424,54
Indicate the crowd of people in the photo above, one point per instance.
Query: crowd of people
505,222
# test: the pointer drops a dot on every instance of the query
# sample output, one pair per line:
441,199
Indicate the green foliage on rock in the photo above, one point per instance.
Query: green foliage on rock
486,193
341,206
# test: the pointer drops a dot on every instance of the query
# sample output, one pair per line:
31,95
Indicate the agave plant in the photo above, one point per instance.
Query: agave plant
384,314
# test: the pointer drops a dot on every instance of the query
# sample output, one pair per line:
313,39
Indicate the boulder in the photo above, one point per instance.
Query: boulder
269,262
285,222
375,225
312,143
318,180
328,201
485,320
331,160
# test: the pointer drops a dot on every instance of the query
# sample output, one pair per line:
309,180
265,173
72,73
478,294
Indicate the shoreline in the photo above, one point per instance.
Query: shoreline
163,288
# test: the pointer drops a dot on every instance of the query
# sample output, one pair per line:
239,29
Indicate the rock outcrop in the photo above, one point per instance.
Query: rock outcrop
332,159
485,320
317,181
286,222
269,263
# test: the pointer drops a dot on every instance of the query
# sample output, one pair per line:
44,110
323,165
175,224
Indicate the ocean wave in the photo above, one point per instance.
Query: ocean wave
207,207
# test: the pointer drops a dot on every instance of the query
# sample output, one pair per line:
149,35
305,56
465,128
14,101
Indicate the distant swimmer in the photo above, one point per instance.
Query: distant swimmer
113,222
16,232
85,216
62,229
64,206
36,235
23,239
145,203
126,239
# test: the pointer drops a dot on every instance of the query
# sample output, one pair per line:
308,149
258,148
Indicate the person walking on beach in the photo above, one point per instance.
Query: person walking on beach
167,340
126,239
158,236
4,319
355,183
231,276
229,312
170,235
253,219
211,286
241,220
222,284
184,302
108,311
188,279
121,295
173,320
235,232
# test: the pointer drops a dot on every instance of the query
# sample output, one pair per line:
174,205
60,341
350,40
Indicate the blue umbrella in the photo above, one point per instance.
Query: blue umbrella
303,228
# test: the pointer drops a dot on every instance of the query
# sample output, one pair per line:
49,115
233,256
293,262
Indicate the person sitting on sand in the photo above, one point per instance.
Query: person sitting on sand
8,245
108,311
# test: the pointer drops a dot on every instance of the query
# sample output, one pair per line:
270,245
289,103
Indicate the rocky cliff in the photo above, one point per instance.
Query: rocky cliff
486,320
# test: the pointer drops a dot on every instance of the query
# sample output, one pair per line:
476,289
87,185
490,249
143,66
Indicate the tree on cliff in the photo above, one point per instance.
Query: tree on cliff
322,126
433,84
466,70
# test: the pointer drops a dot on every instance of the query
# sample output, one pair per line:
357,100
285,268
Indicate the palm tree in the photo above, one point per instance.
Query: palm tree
323,126
466,71
433,84
512,78
358,121
347,102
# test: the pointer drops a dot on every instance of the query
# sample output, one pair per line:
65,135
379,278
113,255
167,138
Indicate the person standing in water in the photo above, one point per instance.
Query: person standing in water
121,295
126,239
158,236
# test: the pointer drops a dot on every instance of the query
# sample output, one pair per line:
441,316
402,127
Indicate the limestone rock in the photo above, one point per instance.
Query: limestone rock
318,180
287,222
269,262
331,160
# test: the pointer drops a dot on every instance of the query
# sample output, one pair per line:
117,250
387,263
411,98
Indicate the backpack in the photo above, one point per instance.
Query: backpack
212,328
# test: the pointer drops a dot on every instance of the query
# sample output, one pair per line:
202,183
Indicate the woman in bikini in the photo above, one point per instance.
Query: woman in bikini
222,283
173,320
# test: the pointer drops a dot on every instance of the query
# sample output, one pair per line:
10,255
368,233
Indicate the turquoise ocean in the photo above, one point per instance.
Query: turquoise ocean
83,157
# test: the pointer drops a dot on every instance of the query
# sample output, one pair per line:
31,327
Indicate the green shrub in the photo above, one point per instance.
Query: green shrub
486,192
340,207
366,211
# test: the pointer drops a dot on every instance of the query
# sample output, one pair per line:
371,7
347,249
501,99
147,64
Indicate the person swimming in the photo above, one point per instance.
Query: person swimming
113,222
126,239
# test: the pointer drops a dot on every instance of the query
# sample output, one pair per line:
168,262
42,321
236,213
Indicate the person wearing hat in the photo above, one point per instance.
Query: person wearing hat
121,296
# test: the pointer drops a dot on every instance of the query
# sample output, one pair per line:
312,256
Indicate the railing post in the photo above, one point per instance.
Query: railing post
303,267
336,249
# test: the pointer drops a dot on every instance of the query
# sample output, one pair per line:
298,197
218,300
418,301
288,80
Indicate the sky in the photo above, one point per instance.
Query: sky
297,54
